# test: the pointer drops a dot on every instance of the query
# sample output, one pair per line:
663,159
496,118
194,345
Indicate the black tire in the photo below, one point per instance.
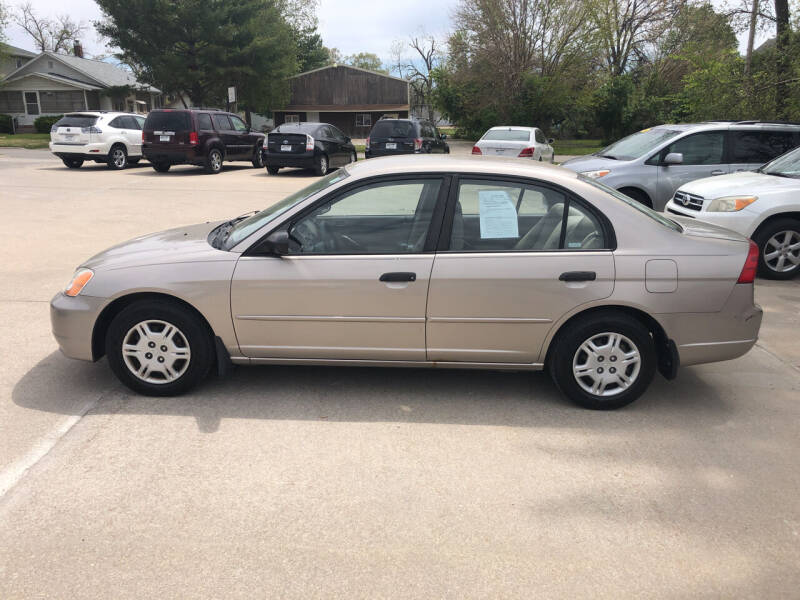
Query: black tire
117,158
321,165
72,163
161,167
273,170
637,195
258,158
568,345
771,239
191,330
213,161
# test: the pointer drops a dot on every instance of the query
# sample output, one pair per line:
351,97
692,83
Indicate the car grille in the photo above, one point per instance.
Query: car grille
689,201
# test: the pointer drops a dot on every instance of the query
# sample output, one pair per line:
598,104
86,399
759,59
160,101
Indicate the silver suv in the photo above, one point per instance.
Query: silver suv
652,164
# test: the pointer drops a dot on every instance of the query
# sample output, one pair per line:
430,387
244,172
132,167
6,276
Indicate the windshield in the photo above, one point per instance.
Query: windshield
637,144
658,217
507,135
401,129
786,165
245,227
168,121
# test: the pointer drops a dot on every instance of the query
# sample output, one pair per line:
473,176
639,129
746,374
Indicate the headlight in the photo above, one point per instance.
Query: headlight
596,174
79,280
730,203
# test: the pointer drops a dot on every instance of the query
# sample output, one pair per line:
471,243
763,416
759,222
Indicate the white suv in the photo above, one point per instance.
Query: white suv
114,138
764,205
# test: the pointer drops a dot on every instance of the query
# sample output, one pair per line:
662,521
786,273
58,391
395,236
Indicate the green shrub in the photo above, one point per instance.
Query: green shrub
5,124
44,124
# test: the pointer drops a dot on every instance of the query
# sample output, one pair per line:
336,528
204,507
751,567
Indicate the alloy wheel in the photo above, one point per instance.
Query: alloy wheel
606,364
216,160
156,351
782,251
118,157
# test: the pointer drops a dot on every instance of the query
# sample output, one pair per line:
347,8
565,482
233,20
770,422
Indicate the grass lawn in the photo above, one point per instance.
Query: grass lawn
577,147
24,140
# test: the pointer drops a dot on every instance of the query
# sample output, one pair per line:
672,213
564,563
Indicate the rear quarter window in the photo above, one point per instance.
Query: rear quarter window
168,121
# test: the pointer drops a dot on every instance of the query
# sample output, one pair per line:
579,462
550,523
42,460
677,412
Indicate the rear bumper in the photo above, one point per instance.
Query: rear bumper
72,320
712,337
277,159
92,151
172,156
377,153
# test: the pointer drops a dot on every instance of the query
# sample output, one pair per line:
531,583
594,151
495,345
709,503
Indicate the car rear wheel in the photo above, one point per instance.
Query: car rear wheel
117,157
258,158
603,361
213,162
273,170
779,249
321,166
72,163
157,348
161,167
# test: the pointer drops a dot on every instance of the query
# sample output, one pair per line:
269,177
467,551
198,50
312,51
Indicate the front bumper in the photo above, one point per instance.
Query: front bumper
742,221
93,151
72,320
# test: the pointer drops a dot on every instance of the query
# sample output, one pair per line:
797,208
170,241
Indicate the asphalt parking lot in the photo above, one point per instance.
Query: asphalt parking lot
312,482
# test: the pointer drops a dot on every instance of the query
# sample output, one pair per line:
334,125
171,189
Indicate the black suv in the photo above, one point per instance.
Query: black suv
317,146
195,136
405,136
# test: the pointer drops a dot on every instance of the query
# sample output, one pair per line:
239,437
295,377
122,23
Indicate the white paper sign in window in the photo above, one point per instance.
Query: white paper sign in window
498,216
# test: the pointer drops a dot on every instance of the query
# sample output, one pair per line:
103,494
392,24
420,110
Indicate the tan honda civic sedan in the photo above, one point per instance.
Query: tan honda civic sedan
423,261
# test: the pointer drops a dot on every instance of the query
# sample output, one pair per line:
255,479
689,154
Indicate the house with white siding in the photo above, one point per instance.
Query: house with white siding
52,84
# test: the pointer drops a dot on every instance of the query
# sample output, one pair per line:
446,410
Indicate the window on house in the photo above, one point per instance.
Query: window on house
292,119
31,103
11,102
49,64
61,102
363,120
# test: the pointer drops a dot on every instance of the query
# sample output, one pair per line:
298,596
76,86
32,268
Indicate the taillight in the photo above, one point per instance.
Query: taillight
91,129
309,143
750,267
366,146
526,153
143,136
193,138
476,150
417,144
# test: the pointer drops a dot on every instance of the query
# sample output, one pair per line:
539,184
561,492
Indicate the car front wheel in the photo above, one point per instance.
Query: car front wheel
258,158
603,361
161,167
273,170
779,249
72,163
157,348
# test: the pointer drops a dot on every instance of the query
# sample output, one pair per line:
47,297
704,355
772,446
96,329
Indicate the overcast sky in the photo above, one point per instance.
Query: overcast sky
350,25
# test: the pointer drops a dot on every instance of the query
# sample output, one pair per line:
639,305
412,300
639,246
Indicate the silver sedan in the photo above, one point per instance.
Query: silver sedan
423,262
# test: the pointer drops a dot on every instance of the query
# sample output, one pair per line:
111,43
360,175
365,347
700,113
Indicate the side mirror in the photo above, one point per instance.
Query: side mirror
550,140
673,158
444,136
276,244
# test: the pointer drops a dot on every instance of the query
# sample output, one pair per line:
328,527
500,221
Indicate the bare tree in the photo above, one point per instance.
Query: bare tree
49,34
419,69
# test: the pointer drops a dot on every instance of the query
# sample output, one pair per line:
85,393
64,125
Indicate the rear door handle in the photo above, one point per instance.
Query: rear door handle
578,276
399,276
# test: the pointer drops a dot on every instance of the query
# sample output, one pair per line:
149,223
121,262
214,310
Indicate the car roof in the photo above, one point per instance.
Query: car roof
474,165
512,127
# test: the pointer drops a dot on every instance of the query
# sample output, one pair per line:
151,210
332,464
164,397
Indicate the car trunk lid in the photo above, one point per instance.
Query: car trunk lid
74,129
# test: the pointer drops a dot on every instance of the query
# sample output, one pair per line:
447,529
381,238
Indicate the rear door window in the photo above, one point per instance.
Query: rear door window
221,122
168,121
759,147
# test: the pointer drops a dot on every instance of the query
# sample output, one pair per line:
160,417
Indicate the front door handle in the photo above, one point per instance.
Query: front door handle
717,172
398,276
578,276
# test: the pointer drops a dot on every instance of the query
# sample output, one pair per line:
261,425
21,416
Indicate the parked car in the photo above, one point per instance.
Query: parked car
425,262
522,142
764,206
113,138
649,166
204,137
317,146
390,137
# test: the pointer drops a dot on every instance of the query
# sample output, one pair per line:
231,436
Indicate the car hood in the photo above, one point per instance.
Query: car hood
737,184
591,162
695,228
180,245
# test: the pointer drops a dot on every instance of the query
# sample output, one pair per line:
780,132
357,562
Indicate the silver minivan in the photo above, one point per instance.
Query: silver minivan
652,164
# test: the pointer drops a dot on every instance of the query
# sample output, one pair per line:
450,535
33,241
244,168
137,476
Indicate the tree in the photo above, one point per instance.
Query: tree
200,47
49,34
311,54
365,60
418,70
334,56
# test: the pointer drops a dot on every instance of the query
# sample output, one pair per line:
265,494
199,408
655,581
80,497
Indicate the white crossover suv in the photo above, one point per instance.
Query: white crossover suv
764,206
114,138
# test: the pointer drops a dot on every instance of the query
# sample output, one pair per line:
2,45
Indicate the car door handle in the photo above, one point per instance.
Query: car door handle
717,172
578,276
398,276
